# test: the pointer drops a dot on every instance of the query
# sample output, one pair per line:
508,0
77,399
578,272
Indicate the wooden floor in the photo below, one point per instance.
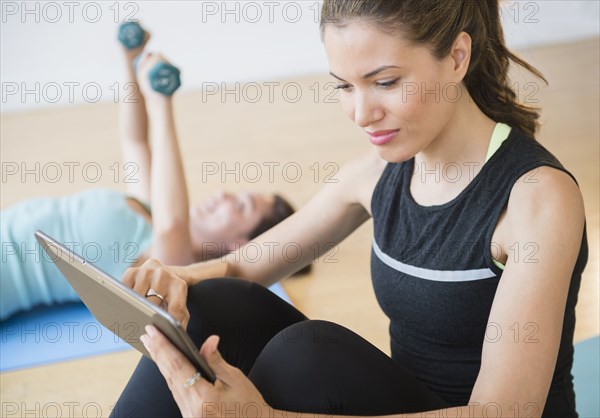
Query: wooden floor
309,134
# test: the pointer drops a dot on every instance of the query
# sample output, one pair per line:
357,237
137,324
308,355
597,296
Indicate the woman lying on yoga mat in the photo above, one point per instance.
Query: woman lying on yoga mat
475,330
117,230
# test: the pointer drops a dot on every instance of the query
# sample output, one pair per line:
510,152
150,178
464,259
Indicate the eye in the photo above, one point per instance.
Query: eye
383,84
388,84
240,205
345,87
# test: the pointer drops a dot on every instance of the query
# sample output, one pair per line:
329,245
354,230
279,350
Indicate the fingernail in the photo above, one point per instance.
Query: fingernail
144,339
150,330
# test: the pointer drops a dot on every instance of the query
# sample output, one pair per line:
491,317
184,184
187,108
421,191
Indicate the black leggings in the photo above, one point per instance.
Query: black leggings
297,364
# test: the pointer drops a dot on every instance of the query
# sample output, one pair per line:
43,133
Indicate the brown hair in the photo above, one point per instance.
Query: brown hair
281,210
436,24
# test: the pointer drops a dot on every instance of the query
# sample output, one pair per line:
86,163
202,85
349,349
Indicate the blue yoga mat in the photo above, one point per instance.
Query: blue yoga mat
49,334
586,373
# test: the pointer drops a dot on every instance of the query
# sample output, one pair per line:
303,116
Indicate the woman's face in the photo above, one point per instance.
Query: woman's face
227,219
389,86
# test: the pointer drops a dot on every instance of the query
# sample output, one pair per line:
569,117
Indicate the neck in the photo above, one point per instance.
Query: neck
464,139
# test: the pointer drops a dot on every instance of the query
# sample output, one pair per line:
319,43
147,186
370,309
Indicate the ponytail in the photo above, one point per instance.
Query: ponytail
487,78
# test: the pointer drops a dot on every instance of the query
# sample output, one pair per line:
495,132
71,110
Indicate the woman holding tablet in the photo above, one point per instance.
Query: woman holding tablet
441,264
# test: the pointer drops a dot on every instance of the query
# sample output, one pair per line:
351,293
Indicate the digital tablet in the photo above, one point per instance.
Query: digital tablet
118,307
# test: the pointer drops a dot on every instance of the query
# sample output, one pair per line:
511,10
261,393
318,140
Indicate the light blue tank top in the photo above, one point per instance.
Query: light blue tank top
97,224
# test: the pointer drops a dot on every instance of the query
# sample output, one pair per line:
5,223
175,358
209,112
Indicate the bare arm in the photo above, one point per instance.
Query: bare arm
324,222
133,130
549,214
169,197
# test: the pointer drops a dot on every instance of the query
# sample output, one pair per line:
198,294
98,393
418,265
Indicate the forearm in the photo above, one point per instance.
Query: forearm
133,120
217,267
312,230
195,273
170,204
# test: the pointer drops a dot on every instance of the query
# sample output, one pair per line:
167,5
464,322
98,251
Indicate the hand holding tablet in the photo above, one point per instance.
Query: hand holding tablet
161,286
121,309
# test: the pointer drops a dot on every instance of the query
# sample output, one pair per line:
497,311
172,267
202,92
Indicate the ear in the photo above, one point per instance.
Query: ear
461,54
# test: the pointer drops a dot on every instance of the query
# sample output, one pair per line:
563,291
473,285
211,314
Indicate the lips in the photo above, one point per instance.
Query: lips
382,137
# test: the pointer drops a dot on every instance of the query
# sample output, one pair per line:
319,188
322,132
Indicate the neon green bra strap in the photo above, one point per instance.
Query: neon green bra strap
500,133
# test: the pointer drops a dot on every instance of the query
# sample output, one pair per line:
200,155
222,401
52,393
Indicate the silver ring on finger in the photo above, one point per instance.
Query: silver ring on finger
192,380
152,292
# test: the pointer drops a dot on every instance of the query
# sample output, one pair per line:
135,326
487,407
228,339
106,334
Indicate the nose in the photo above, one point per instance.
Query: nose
366,110
226,197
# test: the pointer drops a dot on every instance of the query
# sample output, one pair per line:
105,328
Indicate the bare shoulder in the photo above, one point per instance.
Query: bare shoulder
359,176
546,200
543,189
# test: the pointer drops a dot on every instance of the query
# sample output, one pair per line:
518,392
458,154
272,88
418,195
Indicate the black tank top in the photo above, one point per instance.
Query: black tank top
434,277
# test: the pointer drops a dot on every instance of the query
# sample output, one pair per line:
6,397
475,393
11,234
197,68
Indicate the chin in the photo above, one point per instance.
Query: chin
395,155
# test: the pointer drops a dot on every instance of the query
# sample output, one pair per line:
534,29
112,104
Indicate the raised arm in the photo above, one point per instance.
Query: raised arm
324,222
133,129
171,241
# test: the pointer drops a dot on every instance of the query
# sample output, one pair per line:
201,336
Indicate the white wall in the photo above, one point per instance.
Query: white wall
65,52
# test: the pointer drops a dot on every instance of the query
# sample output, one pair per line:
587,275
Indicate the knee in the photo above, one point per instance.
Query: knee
300,363
309,334
300,346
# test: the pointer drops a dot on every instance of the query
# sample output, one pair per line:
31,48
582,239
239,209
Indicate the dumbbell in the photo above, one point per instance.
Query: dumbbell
164,77
131,35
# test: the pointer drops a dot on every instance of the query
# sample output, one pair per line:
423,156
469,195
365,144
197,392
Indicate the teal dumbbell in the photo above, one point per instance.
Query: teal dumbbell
164,77
131,35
